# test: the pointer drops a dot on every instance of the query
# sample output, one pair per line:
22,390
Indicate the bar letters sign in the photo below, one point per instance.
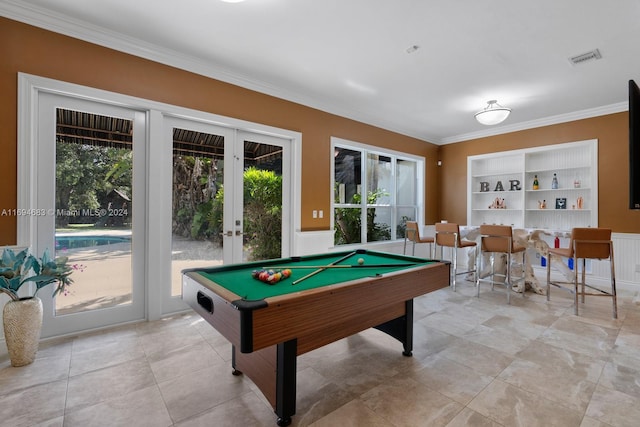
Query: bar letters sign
514,185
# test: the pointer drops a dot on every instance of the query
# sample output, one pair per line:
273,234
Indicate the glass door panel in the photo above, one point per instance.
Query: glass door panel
198,158
93,205
91,176
262,198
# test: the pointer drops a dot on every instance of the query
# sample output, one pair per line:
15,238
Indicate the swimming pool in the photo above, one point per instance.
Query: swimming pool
75,242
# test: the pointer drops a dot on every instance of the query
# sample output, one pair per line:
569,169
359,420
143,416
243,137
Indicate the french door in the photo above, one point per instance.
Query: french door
135,191
89,160
228,188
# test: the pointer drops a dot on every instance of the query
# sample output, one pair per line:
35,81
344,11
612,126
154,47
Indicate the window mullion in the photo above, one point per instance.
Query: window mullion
363,195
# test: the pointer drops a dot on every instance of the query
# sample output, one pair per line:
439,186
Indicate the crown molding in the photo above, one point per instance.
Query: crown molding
547,121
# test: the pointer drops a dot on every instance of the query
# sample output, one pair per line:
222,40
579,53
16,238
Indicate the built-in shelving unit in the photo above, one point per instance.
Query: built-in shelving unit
506,179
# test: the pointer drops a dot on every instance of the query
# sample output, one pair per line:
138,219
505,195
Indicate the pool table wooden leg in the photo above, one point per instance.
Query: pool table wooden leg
273,370
286,381
401,328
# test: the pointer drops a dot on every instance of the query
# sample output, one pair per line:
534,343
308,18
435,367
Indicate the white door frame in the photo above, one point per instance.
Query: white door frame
157,247
43,185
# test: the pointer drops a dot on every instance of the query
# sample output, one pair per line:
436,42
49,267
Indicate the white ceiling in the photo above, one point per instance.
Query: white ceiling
349,57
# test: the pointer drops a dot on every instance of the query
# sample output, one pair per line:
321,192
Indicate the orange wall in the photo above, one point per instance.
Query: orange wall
36,51
612,133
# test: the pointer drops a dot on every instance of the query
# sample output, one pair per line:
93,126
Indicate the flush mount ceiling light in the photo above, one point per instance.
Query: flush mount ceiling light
493,113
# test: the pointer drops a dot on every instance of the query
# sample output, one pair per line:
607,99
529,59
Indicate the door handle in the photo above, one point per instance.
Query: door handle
239,233
227,233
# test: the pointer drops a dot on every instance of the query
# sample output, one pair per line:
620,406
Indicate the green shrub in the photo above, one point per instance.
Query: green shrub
348,222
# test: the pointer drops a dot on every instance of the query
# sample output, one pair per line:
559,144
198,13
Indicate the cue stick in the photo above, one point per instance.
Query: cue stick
313,273
291,267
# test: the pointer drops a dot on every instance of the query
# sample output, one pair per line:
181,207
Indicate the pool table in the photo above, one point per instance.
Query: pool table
269,325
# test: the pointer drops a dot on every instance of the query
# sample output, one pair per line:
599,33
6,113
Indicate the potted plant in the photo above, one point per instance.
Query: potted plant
22,316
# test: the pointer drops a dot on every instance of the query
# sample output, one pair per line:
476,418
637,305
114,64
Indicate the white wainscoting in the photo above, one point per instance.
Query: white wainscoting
626,251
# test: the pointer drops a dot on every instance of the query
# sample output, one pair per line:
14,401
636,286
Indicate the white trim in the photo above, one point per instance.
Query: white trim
373,148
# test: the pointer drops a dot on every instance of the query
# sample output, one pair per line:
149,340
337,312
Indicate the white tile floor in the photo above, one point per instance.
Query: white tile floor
476,362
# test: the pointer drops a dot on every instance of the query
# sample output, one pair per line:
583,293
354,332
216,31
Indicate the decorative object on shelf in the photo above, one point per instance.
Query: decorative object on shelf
22,316
576,183
498,203
514,185
554,182
542,204
536,184
493,113
561,203
580,202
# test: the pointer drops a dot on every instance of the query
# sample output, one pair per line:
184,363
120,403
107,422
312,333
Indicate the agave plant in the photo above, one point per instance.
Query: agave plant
23,267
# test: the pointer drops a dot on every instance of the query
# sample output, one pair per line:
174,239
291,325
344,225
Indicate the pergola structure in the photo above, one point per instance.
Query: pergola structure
92,129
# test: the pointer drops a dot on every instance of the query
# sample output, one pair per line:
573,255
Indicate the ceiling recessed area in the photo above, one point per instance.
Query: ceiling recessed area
422,69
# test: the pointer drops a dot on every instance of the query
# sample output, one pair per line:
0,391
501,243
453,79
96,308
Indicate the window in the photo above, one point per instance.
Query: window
392,184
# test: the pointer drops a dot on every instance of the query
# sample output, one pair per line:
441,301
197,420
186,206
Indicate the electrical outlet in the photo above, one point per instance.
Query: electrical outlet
315,214
321,214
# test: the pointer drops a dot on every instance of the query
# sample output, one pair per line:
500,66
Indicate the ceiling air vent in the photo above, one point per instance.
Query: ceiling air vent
588,56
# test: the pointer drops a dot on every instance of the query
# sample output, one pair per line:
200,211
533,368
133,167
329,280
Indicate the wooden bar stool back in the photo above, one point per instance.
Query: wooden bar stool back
498,239
448,235
585,243
412,234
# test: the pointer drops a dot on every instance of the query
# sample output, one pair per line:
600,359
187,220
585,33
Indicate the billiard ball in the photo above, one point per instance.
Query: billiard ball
360,261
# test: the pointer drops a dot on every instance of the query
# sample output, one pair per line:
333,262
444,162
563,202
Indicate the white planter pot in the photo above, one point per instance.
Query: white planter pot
22,325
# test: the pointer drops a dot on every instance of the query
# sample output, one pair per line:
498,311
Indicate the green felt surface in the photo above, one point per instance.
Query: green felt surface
237,278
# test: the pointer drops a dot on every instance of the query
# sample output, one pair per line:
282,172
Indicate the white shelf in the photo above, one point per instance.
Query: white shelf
573,168
494,193
554,210
501,210
539,190
495,174
570,162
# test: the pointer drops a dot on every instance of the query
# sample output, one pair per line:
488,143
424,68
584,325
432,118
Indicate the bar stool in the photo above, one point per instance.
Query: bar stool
585,243
498,239
448,234
412,234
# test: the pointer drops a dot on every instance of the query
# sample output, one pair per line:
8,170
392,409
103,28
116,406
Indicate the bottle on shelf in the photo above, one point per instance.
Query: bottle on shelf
536,185
554,182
